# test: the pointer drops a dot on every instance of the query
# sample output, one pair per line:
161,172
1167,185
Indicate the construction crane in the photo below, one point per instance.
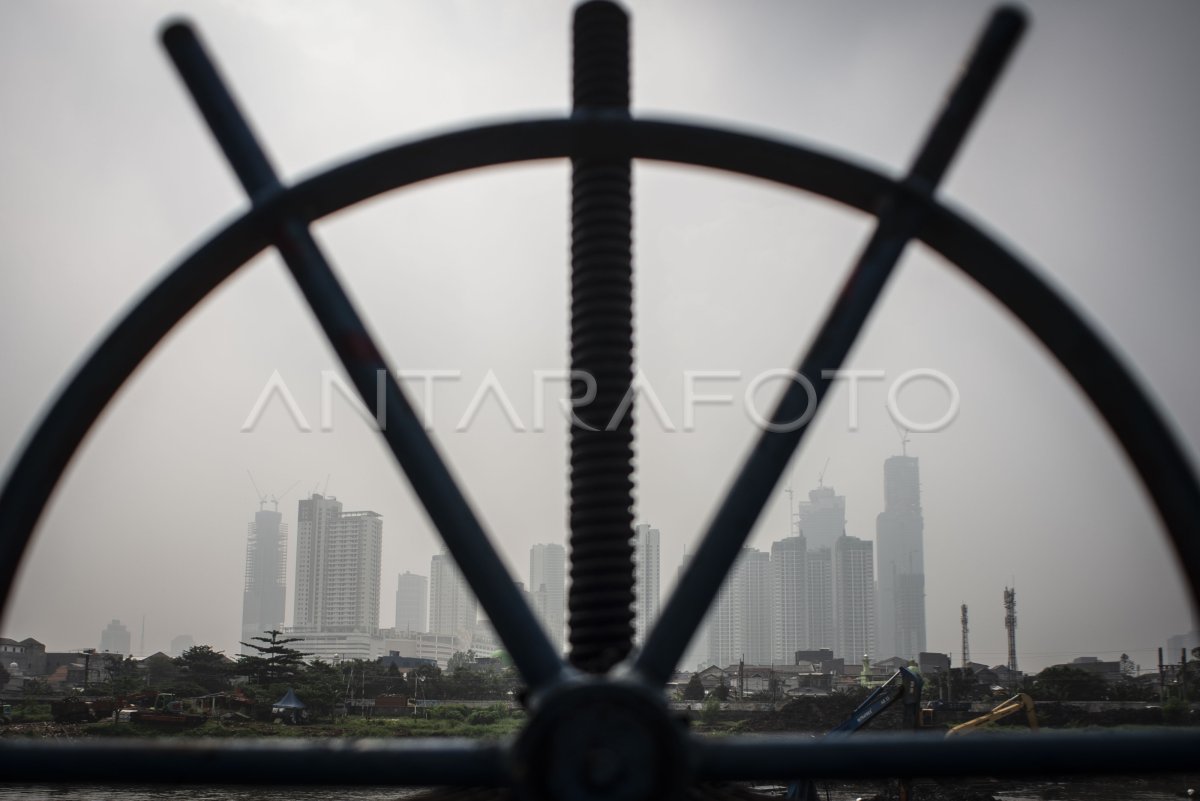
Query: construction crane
903,432
264,499
1011,706
791,512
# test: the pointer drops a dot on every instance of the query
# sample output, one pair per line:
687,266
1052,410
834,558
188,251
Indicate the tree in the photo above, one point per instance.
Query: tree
460,660
721,691
204,667
5,676
711,708
275,661
1065,683
321,687
962,685
1129,689
124,677
160,671
694,691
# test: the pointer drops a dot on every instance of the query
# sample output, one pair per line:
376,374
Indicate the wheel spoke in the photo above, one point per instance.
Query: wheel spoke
899,220
278,761
892,755
460,529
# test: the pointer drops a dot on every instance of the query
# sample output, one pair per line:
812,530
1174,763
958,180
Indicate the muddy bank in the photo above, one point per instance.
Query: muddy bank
820,714
43,730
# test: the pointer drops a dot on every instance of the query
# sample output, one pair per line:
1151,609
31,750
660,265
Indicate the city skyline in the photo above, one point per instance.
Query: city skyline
765,613
1022,483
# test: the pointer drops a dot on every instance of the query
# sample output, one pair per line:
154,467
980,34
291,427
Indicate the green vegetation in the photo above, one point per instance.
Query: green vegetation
494,723
30,712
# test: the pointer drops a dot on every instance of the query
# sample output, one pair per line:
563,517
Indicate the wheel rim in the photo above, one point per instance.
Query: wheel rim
627,701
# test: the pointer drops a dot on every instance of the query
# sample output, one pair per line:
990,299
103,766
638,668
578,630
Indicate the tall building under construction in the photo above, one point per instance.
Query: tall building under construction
266,565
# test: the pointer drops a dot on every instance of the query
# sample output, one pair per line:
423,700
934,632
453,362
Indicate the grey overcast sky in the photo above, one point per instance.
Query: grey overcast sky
1085,161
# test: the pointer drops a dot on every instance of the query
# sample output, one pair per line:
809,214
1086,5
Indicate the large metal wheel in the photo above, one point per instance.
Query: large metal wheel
599,724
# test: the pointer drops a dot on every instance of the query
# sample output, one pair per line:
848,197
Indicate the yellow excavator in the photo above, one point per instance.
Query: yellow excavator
1011,706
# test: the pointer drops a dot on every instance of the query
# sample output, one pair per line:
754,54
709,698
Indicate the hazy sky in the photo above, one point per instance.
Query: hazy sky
1085,161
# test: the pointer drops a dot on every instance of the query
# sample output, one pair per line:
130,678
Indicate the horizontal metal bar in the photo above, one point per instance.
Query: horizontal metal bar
928,755
512,618
278,761
1165,471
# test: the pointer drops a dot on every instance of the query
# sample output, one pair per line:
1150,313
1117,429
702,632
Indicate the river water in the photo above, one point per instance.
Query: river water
199,793
1122,789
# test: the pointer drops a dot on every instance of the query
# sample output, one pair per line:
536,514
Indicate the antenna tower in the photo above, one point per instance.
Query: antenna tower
966,648
1010,623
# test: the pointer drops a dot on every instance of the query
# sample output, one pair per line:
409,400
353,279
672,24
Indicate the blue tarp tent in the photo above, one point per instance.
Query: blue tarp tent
289,708
288,701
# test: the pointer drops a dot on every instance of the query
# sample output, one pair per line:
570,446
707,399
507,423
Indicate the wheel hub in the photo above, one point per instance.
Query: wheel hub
601,741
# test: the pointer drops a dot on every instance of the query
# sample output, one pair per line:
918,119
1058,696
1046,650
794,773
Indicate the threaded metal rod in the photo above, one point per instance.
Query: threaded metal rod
601,595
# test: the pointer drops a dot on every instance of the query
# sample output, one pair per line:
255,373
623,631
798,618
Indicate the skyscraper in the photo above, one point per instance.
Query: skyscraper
453,608
696,655
741,621
899,532
264,591
646,579
337,568
853,598
181,643
818,571
115,639
412,602
758,615
789,580
724,616
823,518
548,589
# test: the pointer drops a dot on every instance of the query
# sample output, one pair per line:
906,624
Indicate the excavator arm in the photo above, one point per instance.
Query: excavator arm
1004,709
903,684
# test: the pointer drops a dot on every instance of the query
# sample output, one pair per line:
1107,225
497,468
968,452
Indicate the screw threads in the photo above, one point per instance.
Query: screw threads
601,516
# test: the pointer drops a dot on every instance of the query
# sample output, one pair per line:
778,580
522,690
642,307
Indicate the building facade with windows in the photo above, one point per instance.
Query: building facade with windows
548,589
789,579
338,563
854,599
647,567
412,602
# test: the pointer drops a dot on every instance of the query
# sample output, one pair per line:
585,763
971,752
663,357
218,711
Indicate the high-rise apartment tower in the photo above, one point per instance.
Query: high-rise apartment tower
548,589
337,568
646,579
412,603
